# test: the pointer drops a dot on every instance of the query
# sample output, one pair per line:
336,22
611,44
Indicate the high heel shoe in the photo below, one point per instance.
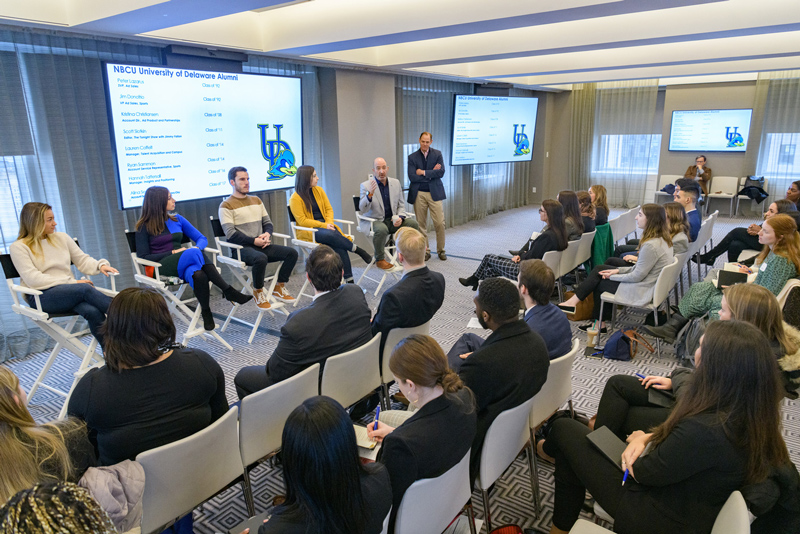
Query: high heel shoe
236,297
471,281
208,319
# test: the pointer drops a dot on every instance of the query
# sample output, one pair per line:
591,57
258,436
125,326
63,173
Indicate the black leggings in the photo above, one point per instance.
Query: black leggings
596,284
624,407
734,243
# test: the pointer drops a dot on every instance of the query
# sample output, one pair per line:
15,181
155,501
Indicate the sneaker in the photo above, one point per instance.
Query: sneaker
384,265
281,294
262,299
442,255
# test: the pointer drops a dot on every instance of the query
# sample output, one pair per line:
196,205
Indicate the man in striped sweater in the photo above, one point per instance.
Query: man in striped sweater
246,222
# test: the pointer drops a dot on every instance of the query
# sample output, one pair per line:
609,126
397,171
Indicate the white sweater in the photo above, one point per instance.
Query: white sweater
52,266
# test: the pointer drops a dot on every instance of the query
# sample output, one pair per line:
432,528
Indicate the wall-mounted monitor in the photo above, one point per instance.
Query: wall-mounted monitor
184,129
710,130
493,129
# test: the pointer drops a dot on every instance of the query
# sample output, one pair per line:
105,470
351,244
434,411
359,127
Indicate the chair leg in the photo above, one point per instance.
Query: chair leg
571,409
248,493
658,347
600,327
471,515
537,499
485,495
386,399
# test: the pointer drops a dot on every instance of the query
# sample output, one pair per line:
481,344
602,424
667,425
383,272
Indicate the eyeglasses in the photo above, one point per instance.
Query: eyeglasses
541,210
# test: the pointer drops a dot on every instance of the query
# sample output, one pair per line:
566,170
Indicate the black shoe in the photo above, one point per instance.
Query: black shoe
586,327
208,319
366,256
669,331
427,255
472,281
236,297
704,260
515,252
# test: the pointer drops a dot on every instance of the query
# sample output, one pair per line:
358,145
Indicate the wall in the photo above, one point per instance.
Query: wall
556,141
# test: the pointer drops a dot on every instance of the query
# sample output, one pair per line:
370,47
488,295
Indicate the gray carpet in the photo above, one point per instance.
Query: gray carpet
511,500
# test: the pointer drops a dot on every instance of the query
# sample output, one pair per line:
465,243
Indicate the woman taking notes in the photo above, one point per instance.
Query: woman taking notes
43,256
159,234
723,433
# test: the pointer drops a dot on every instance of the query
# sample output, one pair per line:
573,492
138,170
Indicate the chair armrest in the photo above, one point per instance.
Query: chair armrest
148,263
345,221
364,218
232,247
285,237
212,250
25,290
348,223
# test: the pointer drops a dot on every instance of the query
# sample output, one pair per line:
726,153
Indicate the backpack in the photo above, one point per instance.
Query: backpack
688,339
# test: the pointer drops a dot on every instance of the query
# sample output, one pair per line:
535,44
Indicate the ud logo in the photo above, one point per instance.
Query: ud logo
734,137
277,153
521,141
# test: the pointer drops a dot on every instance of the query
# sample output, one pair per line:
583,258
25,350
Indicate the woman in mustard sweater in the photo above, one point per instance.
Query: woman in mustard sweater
312,209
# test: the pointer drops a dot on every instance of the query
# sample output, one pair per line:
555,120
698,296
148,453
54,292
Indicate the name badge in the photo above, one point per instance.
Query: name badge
763,267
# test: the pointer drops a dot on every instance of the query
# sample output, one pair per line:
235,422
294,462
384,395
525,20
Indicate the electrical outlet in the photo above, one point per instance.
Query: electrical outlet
534,190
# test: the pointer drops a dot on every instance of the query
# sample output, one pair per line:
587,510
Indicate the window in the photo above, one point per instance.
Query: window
621,153
12,180
780,157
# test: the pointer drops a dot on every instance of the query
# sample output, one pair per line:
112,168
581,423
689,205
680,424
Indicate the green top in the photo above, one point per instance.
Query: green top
776,273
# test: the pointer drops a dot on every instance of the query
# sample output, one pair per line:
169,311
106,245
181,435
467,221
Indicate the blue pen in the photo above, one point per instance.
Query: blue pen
640,375
377,413
625,477
596,353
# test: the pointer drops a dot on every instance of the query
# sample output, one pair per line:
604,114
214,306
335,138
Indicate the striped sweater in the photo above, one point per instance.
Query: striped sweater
244,219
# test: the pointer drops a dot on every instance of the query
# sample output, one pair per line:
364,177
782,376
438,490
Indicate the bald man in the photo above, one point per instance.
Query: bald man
382,200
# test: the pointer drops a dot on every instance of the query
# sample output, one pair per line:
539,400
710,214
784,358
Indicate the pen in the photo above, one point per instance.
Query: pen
625,477
596,353
640,375
377,413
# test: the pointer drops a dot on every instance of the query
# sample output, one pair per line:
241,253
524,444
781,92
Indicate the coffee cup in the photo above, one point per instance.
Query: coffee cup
591,337
395,219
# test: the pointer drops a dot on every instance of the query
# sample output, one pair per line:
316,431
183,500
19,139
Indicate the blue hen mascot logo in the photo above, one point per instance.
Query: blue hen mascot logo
277,153
734,138
523,146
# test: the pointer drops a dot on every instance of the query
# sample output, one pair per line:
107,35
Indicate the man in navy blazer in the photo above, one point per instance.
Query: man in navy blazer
336,321
536,282
425,171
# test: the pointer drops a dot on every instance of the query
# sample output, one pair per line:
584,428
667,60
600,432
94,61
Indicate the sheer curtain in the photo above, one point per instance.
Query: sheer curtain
623,142
584,100
56,148
779,152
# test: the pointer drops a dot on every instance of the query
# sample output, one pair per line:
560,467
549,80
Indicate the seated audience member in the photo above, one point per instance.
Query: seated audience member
600,201
312,209
700,173
328,489
778,262
686,194
723,433
678,229
382,199
429,441
62,508
152,391
741,239
246,222
335,322
573,219
552,237
42,258
159,234
632,285
793,193
53,452
536,282
509,367
419,294
587,211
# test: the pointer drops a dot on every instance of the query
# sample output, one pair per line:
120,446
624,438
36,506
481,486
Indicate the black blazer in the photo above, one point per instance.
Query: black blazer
681,485
432,177
508,369
429,443
588,224
536,249
410,302
334,323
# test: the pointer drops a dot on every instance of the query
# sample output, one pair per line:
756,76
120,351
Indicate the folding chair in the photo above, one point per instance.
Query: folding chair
391,249
350,376
164,285
308,246
764,204
664,180
393,337
63,335
244,275
727,186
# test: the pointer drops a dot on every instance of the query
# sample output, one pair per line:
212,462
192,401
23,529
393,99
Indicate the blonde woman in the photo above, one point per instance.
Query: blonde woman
31,453
600,201
678,227
43,256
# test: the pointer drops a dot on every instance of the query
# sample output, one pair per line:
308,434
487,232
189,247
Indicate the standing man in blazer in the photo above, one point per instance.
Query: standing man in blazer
336,321
425,171
382,199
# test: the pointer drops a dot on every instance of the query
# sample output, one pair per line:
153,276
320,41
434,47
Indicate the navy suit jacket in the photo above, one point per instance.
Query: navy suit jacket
410,302
434,178
695,221
552,324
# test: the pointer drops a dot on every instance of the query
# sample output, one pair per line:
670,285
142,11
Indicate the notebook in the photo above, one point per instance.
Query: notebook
609,444
659,397
363,439
730,275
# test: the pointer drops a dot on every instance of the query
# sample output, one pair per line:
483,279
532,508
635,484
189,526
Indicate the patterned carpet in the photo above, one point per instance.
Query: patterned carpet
511,500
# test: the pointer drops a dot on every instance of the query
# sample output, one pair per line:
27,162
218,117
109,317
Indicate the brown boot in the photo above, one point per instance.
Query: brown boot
384,265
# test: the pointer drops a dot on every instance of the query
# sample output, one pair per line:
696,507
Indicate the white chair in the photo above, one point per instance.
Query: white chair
630,222
393,337
727,187
569,257
615,225
666,280
174,297
747,254
390,250
507,436
64,335
764,204
664,180
243,273
263,415
554,393
430,504
703,238
183,474
352,375
585,248
308,246
732,519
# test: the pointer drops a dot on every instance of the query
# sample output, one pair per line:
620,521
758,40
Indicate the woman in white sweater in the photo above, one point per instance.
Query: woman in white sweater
43,256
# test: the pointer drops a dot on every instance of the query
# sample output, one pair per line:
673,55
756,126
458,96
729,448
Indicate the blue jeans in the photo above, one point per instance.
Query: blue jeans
82,299
340,245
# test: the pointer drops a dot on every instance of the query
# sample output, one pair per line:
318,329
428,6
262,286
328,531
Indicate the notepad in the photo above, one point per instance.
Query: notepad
362,438
730,275
660,397
609,444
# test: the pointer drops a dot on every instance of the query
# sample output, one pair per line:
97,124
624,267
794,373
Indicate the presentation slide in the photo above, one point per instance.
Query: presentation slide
184,129
493,129
710,130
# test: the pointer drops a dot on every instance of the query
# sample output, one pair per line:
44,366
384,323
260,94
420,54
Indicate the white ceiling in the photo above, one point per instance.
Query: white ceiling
529,43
